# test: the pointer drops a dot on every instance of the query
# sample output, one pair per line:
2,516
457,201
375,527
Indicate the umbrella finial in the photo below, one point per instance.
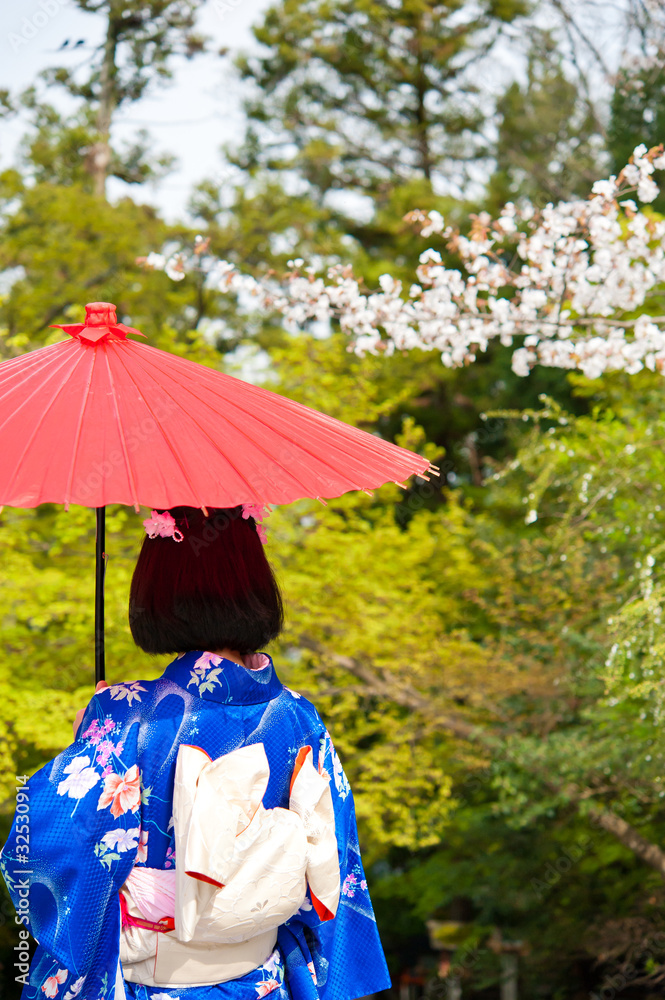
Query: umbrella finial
100,314
101,323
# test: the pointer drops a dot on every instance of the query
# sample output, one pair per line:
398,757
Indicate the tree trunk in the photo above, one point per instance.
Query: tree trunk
100,154
422,123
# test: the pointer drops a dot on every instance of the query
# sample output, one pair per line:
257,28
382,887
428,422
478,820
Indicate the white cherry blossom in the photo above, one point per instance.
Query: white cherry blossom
576,285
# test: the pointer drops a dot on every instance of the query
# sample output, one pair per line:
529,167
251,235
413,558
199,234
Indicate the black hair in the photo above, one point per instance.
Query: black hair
213,590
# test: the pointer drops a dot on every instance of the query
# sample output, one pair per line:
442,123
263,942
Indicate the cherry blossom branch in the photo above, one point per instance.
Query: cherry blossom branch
575,282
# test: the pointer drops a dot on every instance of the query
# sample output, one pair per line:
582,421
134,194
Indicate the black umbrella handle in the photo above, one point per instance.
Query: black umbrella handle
100,572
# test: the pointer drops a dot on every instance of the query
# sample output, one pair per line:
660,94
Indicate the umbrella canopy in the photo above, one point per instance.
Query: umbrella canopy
101,419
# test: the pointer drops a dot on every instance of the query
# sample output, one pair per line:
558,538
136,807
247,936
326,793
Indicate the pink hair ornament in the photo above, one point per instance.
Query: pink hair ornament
162,525
259,512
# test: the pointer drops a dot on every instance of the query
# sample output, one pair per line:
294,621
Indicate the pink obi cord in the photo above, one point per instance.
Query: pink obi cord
165,924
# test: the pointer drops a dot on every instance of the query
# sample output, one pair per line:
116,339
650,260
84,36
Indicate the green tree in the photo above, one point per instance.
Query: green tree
637,111
140,40
550,141
465,668
498,638
637,107
363,97
62,246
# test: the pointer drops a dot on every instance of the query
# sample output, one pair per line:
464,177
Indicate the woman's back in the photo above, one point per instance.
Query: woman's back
161,854
107,803
214,704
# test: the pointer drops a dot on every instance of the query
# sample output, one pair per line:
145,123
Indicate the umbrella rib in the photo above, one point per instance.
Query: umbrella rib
79,427
302,448
121,431
164,435
369,445
148,372
20,360
254,443
313,415
39,388
40,422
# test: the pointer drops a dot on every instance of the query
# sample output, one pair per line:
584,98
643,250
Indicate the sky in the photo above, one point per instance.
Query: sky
190,117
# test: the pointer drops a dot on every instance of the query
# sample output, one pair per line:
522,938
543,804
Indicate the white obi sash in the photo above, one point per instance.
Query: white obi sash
241,870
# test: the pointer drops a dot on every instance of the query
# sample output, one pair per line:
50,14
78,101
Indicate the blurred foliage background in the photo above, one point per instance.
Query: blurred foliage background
494,682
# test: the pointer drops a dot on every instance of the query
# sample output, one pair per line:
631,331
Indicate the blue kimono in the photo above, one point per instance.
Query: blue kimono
104,805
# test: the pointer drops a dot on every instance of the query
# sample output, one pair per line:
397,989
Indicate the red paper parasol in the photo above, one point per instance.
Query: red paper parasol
101,419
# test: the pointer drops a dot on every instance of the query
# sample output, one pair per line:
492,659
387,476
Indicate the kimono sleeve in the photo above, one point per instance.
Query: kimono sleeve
341,958
70,851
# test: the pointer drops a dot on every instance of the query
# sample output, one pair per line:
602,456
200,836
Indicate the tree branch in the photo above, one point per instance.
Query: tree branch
650,853
404,694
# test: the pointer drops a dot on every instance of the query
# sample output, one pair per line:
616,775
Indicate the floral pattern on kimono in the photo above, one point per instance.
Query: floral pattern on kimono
104,805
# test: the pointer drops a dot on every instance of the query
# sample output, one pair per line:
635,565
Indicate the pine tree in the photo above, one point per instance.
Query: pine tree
550,142
140,39
361,96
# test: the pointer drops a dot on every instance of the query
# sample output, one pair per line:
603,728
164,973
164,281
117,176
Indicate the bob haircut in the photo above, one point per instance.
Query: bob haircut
213,590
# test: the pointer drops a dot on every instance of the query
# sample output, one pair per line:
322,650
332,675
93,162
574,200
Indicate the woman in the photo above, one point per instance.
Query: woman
197,841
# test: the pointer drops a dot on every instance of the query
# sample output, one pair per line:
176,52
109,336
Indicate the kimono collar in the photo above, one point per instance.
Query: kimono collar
215,678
